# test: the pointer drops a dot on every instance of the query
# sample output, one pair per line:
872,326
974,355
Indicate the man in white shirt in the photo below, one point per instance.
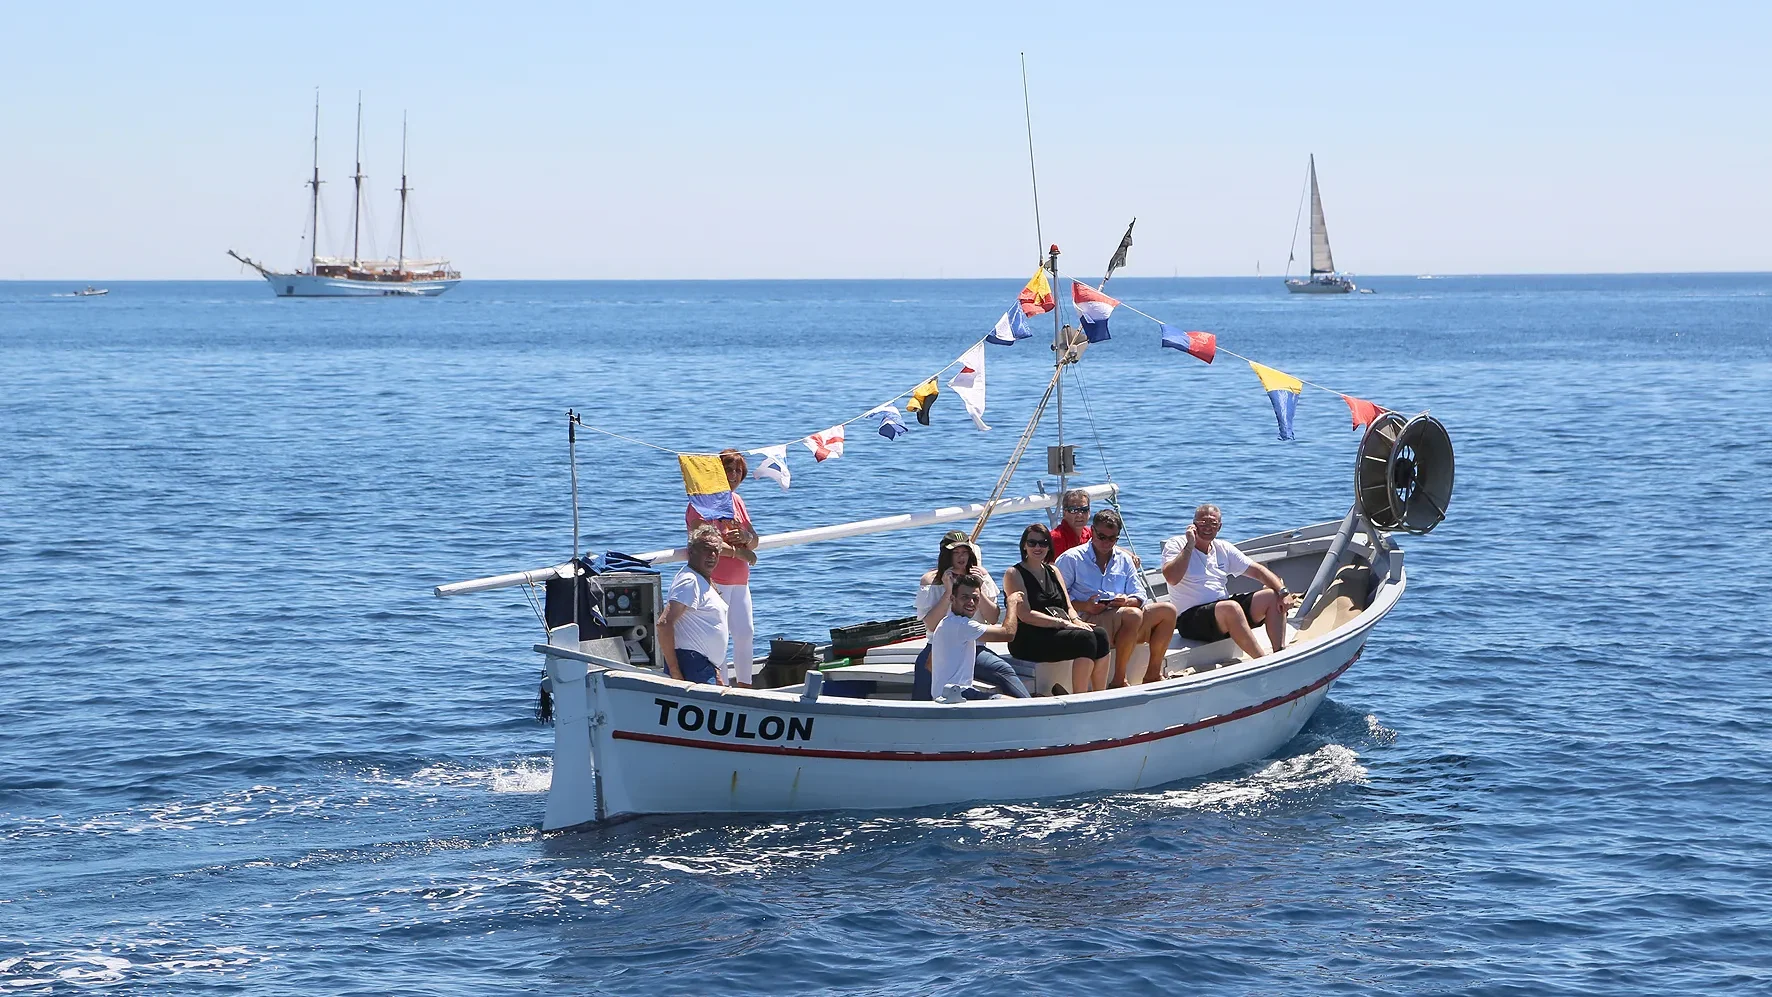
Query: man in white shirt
692,631
953,647
1197,566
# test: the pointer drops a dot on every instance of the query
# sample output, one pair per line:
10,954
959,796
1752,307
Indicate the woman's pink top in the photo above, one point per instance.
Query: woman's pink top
729,570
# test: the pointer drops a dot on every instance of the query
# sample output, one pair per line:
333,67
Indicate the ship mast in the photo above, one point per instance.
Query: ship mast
401,267
1058,463
314,209
357,179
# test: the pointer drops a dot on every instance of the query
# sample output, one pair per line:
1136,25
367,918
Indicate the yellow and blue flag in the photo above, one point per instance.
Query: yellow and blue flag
1283,390
704,480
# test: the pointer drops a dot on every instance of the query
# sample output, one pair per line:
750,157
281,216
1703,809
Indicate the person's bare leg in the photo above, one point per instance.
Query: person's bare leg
1081,669
1125,633
1230,619
1267,607
1159,626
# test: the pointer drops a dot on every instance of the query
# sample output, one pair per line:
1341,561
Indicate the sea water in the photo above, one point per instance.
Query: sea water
246,750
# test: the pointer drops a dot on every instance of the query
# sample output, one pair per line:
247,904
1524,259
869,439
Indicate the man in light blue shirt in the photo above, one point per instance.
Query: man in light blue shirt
1102,581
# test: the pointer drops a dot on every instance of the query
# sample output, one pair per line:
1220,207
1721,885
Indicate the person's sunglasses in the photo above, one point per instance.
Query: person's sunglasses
1036,542
1076,508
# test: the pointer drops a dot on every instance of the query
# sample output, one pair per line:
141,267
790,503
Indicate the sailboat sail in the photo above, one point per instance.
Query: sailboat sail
1321,260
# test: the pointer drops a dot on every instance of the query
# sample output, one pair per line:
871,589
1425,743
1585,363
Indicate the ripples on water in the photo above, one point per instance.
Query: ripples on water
247,751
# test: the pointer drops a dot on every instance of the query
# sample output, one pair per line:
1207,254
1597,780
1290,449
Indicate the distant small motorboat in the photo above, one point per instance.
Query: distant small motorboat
92,292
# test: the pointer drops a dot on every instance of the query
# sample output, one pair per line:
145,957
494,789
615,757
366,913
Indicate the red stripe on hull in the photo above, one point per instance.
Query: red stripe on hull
998,753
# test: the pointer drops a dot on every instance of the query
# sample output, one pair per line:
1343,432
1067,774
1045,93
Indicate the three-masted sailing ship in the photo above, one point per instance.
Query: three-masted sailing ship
355,276
1324,279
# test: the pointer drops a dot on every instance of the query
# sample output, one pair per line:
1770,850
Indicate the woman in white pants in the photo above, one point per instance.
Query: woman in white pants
732,574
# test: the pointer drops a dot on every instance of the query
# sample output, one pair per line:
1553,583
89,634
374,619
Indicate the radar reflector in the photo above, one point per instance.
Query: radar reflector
1403,474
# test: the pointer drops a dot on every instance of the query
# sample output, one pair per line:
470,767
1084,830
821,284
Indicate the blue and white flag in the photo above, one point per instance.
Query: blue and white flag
891,423
773,466
1011,327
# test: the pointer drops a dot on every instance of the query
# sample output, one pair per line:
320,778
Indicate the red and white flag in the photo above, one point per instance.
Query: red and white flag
968,384
827,445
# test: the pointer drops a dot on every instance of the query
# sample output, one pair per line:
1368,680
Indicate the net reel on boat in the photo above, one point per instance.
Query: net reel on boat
1403,474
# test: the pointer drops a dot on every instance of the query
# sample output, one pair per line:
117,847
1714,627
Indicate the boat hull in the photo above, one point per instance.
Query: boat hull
300,285
1330,286
632,742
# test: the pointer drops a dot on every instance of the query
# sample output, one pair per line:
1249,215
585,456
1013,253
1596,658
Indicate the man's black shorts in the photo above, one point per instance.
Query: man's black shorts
1201,622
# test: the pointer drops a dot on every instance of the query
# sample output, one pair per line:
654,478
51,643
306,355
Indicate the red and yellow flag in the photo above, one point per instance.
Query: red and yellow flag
1036,297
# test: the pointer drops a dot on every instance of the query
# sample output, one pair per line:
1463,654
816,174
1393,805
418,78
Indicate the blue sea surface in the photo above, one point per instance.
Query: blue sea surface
246,750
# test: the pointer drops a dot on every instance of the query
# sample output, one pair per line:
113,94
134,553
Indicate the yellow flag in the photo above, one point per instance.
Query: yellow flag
704,481
1036,297
1276,380
922,399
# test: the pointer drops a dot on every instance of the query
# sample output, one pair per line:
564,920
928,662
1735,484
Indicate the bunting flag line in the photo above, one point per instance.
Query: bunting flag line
1036,298
704,481
1011,327
827,445
922,400
1119,258
773,466
1283,390
891,425
1094,308
1202,345
968,384
1363,411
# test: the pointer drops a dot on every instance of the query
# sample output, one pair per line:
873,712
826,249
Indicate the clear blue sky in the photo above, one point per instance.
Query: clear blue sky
834,140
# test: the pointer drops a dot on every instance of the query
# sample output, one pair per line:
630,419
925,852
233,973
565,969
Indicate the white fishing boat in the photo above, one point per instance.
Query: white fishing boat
628,739
92,292
355,276
1324,278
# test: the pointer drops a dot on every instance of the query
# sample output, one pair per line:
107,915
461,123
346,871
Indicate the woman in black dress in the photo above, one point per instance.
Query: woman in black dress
1050,629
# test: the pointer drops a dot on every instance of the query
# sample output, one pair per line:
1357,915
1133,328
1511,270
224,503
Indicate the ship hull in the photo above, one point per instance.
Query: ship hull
301,285
1320,285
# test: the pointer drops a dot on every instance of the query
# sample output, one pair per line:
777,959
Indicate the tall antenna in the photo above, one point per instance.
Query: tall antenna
401,267
1048,260
1028,113
357,178
314,210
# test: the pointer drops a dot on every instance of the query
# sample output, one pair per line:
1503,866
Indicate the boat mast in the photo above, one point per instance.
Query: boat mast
314,209
1060,348
401,266
1051,265
357,178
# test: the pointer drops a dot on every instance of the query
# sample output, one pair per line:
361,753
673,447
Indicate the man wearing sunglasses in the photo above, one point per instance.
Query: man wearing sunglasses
1102,581
1074,530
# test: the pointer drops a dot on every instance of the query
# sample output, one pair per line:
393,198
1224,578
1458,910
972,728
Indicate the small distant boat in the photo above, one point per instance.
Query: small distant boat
355,277
92,292
1324,278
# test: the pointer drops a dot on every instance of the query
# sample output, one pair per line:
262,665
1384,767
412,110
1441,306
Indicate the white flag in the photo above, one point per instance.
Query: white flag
773,466
969,384
827,445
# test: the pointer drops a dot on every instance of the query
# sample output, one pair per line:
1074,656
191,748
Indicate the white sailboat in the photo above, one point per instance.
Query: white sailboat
1324,278
355,277
629,739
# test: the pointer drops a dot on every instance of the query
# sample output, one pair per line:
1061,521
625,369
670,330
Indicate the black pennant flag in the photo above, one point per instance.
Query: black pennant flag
1119,258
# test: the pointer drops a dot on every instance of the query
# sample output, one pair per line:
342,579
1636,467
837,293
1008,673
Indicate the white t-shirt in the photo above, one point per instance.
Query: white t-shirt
953,650
929,595
702,627
1207,572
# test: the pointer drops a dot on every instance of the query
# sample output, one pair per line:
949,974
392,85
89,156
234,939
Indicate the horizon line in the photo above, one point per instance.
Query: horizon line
803,280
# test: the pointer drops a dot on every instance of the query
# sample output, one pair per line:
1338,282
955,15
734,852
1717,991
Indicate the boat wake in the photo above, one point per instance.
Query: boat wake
523,775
